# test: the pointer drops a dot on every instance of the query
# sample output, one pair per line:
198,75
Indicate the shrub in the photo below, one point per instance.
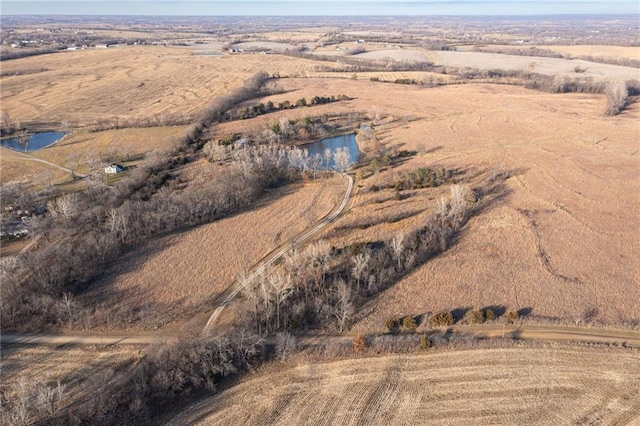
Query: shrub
425,343
511,317
392,325
617,94
474,316
359,344
489,314
409,323
442,319
356,248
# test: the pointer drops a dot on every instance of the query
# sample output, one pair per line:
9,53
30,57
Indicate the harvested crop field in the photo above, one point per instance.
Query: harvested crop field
562,239
551,385
80,369
397,55
630,52
180,275
549,66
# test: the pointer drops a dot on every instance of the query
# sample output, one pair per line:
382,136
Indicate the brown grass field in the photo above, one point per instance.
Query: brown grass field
180,275
542,386
130,83
630,52
563,238
128,145
19,167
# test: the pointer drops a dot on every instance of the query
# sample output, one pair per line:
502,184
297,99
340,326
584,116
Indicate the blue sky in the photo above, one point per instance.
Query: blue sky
318,7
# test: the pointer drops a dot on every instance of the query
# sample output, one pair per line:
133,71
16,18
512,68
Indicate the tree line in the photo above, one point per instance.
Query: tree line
322,285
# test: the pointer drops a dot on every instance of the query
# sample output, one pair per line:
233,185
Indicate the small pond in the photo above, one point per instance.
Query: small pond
36,141
334,143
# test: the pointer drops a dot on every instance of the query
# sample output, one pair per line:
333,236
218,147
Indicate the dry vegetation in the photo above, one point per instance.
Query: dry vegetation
548,66
554,237
180,275
80,150
78,372
626,52
574,173
568,385
130,84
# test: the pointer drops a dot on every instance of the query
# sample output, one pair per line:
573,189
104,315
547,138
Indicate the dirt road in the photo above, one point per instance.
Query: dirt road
277,254
629,338
27,157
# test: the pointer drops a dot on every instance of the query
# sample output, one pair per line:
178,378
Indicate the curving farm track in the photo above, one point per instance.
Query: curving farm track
277,254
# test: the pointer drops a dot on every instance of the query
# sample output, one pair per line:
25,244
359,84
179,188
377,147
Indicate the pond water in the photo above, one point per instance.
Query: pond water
36,141
334,143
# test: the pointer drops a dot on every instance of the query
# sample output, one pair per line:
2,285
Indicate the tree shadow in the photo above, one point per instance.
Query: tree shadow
459,313
524,312
498,310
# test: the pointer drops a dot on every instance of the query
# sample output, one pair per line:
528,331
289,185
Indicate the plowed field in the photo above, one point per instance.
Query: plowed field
547,386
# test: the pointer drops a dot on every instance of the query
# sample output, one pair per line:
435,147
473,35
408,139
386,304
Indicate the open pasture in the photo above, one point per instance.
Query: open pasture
560,240
130,83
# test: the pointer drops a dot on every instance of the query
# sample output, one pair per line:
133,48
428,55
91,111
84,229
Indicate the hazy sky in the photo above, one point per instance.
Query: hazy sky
318,7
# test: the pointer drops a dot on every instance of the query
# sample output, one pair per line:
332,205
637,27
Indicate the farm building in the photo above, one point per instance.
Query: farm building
113,168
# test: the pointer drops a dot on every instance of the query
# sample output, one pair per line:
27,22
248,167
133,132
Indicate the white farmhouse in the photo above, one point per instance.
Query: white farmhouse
113,169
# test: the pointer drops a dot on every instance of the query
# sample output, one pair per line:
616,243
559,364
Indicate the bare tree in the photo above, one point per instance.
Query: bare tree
113,154
315,162
64,206
5,121
73,160
342,158
215,152
458,203
343,308
281,288
442,210
285,346
360,265
68,306
118,223
328,155
398,247
46,179
23,138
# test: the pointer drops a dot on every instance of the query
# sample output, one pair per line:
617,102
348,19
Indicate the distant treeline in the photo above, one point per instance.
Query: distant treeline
7,55
547,53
